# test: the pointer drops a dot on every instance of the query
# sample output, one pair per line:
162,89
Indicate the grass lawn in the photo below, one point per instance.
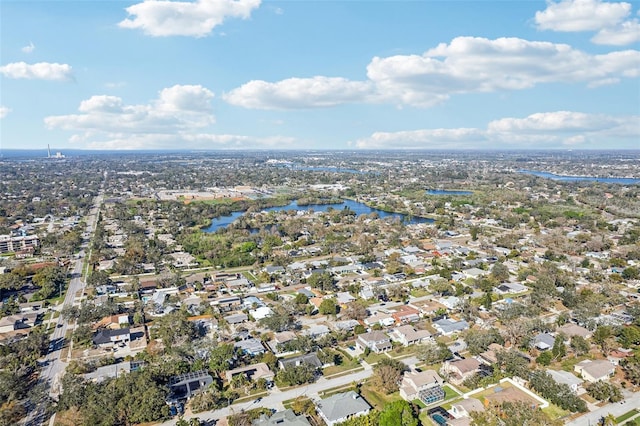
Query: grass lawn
248,275
627,415
345,366
555,412
289,402
403,351
419,403
376,399
340,389
449,393
374,358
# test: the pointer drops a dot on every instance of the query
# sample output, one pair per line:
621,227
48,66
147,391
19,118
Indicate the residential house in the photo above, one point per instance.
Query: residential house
447,327
344,297
252,372
543,341
341,407
279,339
185,385
424,385
509,288
383,319
107,337
405,314
490,356
408,335
566,378
310,359
261,313
427,307
113,322
227,304
570,330
593,371
18,322
281,418
617,355
250,346
113,370
461,369
236,318
450,302
346,325
316,331
376,341
464,408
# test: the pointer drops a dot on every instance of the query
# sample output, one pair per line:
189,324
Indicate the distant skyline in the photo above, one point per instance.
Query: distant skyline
252,74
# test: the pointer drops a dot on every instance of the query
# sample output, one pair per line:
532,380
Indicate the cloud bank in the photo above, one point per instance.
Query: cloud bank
547,130
465,65
179,117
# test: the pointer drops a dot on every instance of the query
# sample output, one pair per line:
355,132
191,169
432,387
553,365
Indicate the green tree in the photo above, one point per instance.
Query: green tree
545,358
516,413
500,272
558,350
399,413
328,307
579,345
387,374
604,391
296,375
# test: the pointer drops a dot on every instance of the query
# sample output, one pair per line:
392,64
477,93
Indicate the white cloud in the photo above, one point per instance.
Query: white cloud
196,19
627,32
315,92
4,111
178,108
607,18
29,48
546,130
39,71
180,117
559,121
581,15
466,65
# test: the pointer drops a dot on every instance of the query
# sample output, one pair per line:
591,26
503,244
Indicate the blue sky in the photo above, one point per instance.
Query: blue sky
252,74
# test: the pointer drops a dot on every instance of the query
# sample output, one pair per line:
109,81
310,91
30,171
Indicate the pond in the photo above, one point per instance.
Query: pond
566,178
357,207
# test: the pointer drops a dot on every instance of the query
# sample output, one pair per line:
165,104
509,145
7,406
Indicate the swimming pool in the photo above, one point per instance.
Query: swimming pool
439,419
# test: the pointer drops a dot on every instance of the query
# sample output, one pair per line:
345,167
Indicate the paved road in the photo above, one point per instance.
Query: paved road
617,409
54,370
275,399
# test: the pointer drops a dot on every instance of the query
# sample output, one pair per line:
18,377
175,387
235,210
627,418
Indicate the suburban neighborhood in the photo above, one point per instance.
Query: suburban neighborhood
431,290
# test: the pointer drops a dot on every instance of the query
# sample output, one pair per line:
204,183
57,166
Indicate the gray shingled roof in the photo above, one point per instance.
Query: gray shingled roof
342,405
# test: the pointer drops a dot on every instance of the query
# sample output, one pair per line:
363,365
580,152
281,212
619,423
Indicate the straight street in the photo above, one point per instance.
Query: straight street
632,400
276,398
52,374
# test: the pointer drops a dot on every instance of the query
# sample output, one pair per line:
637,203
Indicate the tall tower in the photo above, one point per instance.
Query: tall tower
48,151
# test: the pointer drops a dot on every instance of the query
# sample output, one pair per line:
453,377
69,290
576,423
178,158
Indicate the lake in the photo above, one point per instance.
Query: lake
447,192
358,208
566,178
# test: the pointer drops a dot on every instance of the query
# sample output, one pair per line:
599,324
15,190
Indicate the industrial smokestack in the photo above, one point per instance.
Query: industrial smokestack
48,151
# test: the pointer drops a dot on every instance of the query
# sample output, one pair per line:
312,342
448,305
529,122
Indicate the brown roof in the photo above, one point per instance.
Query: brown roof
465,365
